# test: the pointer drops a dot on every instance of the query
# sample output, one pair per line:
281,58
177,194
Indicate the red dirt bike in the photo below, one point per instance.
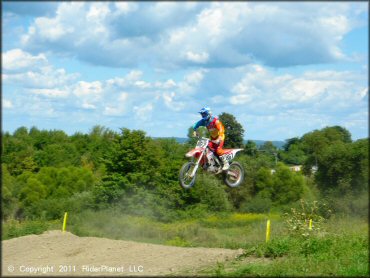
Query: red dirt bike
205,158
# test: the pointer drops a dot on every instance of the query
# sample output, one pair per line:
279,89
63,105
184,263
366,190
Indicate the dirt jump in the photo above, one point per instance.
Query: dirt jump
55,253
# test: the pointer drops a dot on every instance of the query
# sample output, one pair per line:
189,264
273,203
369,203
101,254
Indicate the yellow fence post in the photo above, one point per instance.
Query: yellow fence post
268,230
310,225
65,221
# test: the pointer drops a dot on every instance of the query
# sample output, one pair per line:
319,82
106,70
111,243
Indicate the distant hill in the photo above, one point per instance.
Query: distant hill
277,144
182,140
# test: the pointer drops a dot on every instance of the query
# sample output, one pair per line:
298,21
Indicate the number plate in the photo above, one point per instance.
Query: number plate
202,143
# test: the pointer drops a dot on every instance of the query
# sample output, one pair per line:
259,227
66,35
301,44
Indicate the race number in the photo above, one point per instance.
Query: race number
202,143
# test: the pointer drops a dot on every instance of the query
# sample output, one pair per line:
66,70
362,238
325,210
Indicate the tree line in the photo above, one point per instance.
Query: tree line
47,172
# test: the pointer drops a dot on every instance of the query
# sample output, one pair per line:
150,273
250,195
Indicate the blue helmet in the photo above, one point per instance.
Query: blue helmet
206,113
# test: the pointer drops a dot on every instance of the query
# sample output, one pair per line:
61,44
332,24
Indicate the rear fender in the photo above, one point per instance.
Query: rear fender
230,154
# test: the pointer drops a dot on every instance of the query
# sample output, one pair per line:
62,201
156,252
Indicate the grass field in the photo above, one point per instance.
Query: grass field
341,249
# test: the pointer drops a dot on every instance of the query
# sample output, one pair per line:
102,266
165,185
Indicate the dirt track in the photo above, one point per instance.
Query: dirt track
57,253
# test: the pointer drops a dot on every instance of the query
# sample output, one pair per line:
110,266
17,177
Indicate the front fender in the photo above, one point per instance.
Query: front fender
194,152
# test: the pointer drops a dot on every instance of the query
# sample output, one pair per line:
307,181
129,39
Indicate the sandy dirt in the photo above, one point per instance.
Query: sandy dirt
57,253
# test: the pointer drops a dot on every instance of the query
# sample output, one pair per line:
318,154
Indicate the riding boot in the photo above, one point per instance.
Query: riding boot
225,163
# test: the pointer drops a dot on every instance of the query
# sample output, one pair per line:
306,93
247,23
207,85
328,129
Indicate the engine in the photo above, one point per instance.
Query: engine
212,165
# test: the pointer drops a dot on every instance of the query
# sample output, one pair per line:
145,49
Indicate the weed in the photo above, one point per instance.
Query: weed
308,219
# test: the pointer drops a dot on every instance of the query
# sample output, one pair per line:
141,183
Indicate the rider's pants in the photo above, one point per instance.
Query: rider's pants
217,148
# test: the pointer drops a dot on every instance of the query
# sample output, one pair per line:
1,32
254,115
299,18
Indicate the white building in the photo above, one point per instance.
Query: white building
296,168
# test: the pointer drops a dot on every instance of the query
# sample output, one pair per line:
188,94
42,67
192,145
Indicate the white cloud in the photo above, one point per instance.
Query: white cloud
125,7
54,93
86,89
22,68
326,93
240,99
195,77
86,105
174,101
305,90
114,111
131,79
210,34
7,104
169,84
17,59
50,29
143,112
142,84
200,58
89,94
118,106
363,93
44,77
123,97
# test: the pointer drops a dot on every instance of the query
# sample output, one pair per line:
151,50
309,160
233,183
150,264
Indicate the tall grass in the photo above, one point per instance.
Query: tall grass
15,228
342,250
227,230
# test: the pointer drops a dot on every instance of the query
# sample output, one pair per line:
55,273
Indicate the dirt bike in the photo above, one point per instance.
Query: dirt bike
206,158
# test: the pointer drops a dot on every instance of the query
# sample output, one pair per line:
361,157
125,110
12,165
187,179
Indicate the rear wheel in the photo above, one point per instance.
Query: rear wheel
185,180
234,176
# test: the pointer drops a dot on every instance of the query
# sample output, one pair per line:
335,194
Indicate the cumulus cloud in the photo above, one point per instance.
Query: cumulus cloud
88,89
54,93
187,34
19,60
114,110
88,106
7,104
33,71
195,77
200,58
143,112
300,102
44,77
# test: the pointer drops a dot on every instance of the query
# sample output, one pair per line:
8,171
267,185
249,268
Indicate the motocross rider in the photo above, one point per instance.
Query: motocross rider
216,130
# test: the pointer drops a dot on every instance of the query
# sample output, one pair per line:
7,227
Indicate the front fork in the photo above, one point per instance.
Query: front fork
196,166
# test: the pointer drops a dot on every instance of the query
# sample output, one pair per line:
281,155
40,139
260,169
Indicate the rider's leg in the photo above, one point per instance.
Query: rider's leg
213,147
220,152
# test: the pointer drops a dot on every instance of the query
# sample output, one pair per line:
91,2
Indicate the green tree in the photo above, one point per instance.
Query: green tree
251,148
7,198
290,142
360,165
314,143
58,155
268,147
202,131
234,131
293,155
32,193
264,183
344,167
281,187
287,185
135,157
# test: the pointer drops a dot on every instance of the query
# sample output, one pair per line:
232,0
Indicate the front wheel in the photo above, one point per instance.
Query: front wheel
234,176
185,180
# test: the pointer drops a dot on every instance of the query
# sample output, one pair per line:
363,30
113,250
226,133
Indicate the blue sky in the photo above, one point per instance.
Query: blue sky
281,68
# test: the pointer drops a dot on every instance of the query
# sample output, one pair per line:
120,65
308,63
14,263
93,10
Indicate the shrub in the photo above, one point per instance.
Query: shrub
258,204
299,218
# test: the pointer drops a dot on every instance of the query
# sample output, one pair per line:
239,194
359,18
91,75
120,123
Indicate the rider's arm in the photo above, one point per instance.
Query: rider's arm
198,124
